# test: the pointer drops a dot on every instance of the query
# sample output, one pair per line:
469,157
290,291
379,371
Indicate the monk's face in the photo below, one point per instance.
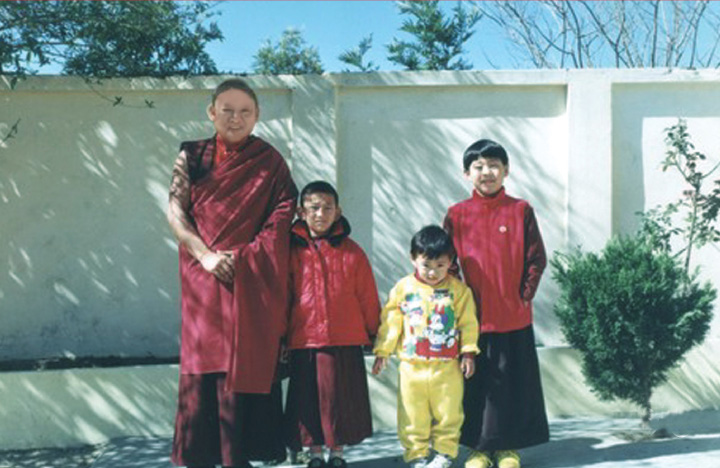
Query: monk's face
234,115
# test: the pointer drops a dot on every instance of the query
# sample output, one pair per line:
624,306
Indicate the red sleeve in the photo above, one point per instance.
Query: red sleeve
290,288
261,294
367,293
268,255
448,226
535,258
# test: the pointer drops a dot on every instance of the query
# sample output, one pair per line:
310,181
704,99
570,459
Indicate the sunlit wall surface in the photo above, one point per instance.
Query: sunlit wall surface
89,267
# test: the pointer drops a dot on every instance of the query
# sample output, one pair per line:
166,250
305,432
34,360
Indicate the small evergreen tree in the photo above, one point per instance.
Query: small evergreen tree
632,312
438,41
290,56
635,309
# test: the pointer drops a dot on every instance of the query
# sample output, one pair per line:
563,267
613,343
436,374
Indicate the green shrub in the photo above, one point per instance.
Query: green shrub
633,312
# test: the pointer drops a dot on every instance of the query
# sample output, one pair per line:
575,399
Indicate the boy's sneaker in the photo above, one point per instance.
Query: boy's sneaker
478,460
418,463
299,458
508,459
336,462
440,461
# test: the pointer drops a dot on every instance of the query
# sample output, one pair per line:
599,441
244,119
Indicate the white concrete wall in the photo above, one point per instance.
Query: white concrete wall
86,406
88,265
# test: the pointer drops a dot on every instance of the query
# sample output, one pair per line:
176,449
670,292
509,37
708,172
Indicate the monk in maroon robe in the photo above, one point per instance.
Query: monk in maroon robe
231,204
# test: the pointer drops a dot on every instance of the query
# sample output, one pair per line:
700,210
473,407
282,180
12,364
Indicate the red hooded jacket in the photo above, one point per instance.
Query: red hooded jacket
333,294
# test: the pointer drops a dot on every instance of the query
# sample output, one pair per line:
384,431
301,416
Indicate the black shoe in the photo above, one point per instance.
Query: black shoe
316,463
336,462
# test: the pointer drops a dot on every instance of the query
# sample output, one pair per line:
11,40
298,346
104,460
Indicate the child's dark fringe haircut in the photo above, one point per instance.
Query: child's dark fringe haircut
432,242
318,186
484,149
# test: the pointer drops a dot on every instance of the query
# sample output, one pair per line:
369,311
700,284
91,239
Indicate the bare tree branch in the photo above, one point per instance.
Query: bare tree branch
625,33
11,132
578,35
653,51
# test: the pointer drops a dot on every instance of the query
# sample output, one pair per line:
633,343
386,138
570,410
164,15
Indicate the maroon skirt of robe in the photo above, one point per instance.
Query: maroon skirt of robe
216,427
327,401
503,400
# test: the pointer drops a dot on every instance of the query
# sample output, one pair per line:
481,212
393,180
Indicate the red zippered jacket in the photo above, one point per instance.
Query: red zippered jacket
502,257
333,293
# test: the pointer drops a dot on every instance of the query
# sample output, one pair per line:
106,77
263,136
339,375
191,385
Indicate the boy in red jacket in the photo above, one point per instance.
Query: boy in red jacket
335,311
502,257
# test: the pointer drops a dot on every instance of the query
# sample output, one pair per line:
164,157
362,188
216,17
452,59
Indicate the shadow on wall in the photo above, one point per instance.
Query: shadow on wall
92,265
400,166
635,153
639,123
311,136
86,220
694,384
81,406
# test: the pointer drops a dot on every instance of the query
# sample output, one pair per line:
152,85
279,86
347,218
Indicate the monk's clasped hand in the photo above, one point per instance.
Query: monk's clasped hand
220,263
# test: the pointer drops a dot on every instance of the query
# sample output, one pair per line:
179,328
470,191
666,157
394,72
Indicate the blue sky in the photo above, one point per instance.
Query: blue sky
331,26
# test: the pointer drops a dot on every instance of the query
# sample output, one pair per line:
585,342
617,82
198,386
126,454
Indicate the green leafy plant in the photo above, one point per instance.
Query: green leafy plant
698,208
290,56
107,38
104,39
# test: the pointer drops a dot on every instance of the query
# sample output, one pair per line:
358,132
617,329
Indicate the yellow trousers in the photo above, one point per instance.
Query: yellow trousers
430,411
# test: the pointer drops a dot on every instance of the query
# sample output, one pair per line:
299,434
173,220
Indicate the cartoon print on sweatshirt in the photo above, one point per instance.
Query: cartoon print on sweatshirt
441,330
412,307
430,325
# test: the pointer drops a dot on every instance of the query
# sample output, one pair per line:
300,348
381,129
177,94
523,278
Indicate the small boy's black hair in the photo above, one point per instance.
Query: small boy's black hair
486,149
433,242
318,186
235,83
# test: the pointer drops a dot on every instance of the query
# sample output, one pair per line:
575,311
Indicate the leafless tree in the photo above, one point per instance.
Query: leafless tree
622,34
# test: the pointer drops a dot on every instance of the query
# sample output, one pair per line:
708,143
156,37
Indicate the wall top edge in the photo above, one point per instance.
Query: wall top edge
54,83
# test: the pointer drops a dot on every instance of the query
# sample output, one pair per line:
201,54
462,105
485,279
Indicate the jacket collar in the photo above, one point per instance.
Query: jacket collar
490,202
300,234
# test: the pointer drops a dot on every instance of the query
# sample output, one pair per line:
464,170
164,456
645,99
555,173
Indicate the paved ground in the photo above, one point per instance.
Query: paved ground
576,443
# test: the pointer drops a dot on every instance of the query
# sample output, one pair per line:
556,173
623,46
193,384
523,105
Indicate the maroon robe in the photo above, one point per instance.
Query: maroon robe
244,204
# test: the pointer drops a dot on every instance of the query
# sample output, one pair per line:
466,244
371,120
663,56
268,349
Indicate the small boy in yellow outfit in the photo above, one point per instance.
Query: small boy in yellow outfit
430,320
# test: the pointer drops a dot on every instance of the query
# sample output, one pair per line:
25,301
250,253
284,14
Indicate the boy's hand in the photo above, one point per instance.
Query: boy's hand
379,365
467,365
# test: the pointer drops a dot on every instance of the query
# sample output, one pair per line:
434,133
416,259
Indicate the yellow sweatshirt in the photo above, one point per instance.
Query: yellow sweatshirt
423,322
